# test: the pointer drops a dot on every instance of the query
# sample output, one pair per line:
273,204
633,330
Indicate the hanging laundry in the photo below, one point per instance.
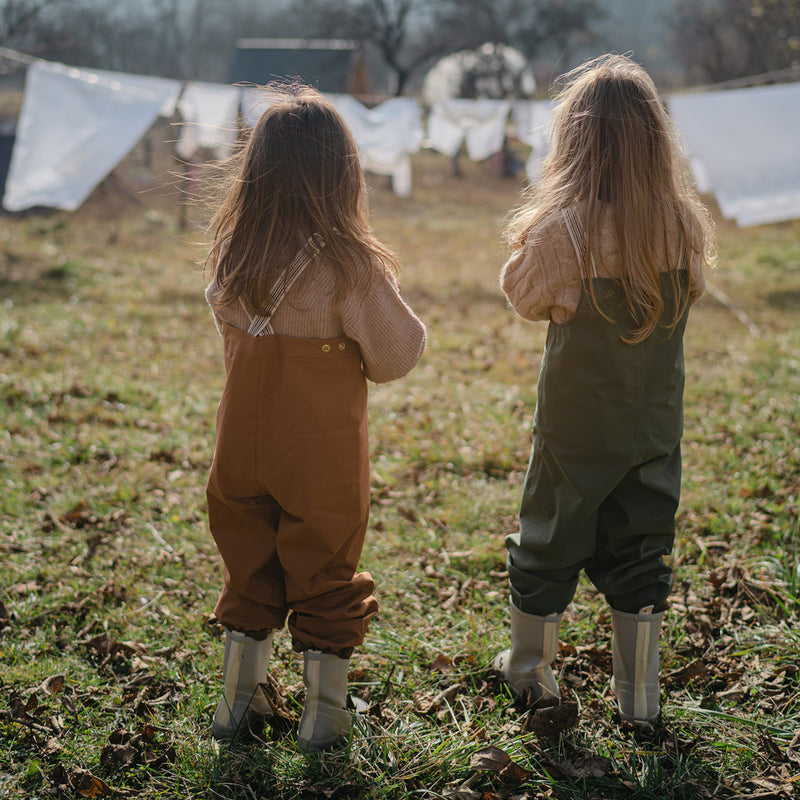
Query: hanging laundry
75,126
531,122
387,135
210,114
743,145
479,123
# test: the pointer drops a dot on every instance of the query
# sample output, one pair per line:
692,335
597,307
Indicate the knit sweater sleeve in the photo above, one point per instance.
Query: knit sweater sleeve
541,280
391,337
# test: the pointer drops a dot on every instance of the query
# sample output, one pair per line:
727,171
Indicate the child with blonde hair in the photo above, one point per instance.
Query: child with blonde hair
306,300
608,247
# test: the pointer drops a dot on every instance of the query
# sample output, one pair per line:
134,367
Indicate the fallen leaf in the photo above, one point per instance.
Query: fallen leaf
53,684
361,706
490,758
428,703
513,774
88,785
272,691
52,746
441,663
116,756
586,767
553,720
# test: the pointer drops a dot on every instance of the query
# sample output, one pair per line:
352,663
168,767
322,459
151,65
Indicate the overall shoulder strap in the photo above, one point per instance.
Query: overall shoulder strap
261,324
577,236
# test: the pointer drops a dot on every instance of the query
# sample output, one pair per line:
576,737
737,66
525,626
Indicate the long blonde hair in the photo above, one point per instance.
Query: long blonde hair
614,150
297,173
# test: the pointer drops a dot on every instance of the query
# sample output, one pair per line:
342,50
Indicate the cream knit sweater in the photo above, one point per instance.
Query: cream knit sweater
542,279
391,337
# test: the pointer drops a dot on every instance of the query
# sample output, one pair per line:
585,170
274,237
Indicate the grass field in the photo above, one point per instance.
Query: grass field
110,370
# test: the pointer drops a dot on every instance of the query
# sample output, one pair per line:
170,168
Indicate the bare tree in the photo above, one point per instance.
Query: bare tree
411,34
719,40
185,39
195,39
405,33
527,25
19,18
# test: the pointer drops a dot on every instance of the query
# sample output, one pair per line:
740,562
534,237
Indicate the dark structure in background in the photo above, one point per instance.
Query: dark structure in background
330,65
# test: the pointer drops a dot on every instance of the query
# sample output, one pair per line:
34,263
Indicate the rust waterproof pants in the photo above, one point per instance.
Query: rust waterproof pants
288,493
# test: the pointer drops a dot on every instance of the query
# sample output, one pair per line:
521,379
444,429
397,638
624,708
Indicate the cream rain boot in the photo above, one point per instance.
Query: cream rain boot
244,667
325,717
534,644
634,646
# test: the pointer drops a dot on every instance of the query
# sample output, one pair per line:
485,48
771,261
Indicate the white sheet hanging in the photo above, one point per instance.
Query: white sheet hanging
482,123
255,101
531,120
210,112
74,127
167,87
744,145
387,135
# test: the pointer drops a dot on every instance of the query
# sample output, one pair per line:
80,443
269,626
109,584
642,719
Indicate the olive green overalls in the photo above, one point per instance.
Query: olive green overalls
288,492
603,481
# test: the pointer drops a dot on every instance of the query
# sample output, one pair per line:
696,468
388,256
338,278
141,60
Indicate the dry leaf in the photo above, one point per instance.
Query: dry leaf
52,746
490,758
441,663
117,756
586,767
513,774
553,720
88,785
53,684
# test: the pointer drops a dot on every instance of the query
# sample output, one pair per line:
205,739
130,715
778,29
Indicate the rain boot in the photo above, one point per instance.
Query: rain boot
325,717
635,652
526,665
243,700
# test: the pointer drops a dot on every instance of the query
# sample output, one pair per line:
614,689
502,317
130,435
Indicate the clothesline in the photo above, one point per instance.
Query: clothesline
77,124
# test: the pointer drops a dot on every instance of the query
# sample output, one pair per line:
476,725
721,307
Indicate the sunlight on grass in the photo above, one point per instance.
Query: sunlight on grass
109,668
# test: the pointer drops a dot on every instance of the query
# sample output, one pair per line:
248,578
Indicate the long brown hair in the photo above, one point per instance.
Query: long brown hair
615,151
298,172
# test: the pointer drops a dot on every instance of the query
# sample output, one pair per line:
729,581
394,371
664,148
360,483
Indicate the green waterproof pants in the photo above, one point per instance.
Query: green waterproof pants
603,481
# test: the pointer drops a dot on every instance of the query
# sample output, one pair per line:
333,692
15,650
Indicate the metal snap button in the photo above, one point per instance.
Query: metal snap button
342,345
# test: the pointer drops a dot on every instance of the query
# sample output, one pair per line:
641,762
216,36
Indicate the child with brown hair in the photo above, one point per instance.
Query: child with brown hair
609,247
309,308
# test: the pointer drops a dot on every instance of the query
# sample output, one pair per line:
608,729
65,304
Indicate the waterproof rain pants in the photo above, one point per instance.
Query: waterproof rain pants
288,492
603,481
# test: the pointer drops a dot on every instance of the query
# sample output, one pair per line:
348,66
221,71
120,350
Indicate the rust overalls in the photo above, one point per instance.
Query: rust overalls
288,492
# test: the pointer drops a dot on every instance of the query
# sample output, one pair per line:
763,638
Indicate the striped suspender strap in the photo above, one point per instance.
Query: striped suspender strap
262,324
575,230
